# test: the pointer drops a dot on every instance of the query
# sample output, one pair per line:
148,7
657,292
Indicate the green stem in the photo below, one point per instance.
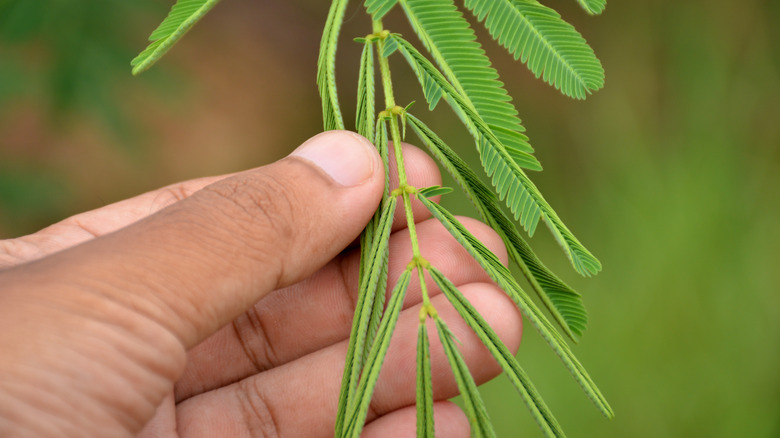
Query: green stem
404,188
387,84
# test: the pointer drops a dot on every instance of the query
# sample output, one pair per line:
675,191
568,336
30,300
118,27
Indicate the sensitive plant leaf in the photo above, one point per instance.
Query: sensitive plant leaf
357,411
501,353
563,302
424,385
436,85
326,67
593,6
378,8
432,191
501,275
389,47
449,39
183,15
365,115
549,46
472,402
521,195
379,302
528,205
368,293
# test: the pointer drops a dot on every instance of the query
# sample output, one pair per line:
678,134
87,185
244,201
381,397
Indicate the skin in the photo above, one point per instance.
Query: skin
222,307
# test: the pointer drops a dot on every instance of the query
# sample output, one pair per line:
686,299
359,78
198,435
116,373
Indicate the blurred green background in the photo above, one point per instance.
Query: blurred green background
671,174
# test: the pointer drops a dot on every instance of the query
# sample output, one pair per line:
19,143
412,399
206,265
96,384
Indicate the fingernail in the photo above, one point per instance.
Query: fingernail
347,158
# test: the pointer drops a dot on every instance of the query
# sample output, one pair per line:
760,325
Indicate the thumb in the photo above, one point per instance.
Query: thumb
198,264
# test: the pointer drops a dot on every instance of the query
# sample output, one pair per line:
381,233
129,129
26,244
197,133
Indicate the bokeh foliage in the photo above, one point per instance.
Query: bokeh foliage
670,175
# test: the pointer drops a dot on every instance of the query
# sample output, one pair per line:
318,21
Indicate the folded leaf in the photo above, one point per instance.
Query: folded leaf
563,302
371,272
501,275
326,67
356,414
539,410
424,385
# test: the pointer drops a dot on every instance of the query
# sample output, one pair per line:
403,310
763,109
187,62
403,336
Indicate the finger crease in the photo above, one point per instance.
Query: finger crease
259,417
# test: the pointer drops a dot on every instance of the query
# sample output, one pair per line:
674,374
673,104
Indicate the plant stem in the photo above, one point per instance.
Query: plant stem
403,185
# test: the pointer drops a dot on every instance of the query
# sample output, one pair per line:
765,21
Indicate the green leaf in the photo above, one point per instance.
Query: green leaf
432,191
563,302
326,67
365,116
549,46
356,415
424,385
593,6
183,15
389,47
373,267
501,275
449,39
521,195
379,299
472,402
435,85
501,353
378,8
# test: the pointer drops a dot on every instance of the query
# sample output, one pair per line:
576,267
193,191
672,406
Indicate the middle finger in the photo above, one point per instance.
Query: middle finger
311,315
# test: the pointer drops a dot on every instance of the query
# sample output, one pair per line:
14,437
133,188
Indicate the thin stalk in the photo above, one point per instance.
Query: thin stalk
395,132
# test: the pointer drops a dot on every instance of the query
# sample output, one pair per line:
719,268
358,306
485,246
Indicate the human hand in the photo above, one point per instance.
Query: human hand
222,307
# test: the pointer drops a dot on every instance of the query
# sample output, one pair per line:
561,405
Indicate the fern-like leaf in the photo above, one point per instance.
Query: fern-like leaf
425,425
326,67
356,415
183,15
365,115
521,195
549,46
594,7
378,8
372,270
501,275
563,302
481,427
539,410
449,39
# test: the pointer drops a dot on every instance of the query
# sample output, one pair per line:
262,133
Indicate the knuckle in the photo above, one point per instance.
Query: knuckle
168,196
254,340
259,417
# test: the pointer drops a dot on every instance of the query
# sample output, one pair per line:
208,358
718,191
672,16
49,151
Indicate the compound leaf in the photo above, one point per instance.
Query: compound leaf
357,411
424,385
472,401
378,8
365,116
449,39
501,353
563,302
594,7
549,46
371,273
183,15
501,275
520,193
326,67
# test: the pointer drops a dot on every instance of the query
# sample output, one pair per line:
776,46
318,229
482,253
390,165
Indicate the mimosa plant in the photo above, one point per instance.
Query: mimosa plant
460,74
